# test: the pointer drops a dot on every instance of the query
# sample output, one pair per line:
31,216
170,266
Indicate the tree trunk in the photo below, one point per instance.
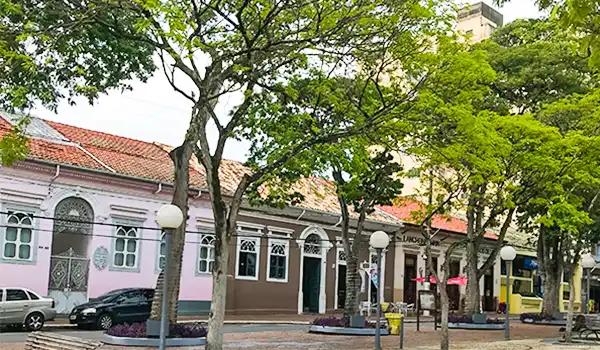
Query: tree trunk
445,340
569,329
550,268
551,287
472,297
217,306
181,161
156,301
353,281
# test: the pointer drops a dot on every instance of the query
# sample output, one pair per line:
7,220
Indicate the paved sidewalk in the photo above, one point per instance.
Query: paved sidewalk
526,337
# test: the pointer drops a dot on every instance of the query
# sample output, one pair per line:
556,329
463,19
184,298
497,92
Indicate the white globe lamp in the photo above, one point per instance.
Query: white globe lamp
508,253
379,240
588,261
169,216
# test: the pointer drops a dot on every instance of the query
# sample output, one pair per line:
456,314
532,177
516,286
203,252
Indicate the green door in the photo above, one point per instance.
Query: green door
311,284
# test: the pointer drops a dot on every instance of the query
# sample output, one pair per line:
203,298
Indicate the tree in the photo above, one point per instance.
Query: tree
370,180
253,48
577,17
536,63
561,213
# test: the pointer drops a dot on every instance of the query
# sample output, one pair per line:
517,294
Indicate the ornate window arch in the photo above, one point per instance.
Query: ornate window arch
73,215
313,245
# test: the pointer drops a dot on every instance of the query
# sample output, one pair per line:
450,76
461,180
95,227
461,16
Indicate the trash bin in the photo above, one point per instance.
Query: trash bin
394,322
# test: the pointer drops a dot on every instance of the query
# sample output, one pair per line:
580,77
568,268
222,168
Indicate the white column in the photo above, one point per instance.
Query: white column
300,282
398,271
497,272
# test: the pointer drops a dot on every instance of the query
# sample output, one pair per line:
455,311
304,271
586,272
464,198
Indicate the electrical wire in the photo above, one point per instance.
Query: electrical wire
113,235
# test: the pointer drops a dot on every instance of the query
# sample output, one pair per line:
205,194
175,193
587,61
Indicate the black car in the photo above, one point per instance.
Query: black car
127,305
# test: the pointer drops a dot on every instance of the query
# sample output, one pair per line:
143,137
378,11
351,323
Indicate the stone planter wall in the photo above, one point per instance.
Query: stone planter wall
151,342
345,331
476,326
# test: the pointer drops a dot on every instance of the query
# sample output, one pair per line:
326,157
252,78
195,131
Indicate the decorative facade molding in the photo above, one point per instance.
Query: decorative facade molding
17,196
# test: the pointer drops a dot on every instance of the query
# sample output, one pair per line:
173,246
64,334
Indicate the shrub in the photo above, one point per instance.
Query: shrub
469,320
331,321
138,330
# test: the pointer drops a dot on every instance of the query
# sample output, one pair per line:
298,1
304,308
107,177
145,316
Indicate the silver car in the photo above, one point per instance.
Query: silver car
21,306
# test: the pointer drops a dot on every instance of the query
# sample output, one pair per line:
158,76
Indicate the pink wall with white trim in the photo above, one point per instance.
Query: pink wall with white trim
29,189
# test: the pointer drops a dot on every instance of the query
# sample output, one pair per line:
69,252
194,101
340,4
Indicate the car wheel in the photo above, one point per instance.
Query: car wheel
34,322
104,322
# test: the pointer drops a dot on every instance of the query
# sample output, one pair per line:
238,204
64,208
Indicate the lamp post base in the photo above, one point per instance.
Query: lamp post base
153,328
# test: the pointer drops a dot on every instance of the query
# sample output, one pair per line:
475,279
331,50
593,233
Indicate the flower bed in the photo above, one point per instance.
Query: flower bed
337,325
469,320
542,320
181,334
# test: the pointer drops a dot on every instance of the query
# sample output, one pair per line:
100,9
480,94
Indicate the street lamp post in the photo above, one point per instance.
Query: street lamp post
508,254
588,263
379,240
169,218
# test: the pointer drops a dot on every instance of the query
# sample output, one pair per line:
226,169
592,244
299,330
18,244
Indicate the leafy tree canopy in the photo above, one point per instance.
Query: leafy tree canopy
537,63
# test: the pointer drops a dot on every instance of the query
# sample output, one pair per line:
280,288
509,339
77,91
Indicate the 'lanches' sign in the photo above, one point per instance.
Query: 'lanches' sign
417,240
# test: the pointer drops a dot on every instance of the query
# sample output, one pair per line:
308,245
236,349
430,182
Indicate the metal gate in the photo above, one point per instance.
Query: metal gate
68,280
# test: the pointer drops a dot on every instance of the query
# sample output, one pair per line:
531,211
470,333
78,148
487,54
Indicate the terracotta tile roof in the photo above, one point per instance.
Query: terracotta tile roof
407,207
127,156
319,194
229,172
56,152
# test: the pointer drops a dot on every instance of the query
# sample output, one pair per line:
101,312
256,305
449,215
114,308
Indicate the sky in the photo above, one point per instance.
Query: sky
153,112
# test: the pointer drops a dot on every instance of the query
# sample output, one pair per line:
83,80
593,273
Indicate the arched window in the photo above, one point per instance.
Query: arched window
313,244
18,237
206,253
126,247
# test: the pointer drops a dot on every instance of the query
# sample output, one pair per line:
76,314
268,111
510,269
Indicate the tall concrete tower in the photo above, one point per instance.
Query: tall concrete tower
479,20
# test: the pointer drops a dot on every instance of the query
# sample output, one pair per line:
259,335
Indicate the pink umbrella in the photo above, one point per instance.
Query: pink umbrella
460,280
422,279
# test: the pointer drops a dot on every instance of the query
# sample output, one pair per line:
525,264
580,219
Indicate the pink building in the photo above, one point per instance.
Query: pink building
78,217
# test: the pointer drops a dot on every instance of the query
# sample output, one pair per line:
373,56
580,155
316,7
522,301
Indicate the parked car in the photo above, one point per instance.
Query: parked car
23,307
127,305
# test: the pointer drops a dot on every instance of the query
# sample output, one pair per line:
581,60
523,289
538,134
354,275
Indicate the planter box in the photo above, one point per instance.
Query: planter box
476,326
560,323
151,342
346,331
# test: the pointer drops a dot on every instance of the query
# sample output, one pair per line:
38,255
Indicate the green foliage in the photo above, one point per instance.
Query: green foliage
14,143
579,17
49,51
537,63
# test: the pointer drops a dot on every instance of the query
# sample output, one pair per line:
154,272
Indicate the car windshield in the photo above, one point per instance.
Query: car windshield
110,295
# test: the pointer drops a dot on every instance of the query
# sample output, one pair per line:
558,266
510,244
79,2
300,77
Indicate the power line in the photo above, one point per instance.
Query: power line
207,232
143,238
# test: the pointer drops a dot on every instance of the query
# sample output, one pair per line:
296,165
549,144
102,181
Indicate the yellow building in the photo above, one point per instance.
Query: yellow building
526,286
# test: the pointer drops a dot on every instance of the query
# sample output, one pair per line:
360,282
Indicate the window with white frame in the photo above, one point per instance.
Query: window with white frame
126,247
248,257
18,236
278,260
162,251
206,253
